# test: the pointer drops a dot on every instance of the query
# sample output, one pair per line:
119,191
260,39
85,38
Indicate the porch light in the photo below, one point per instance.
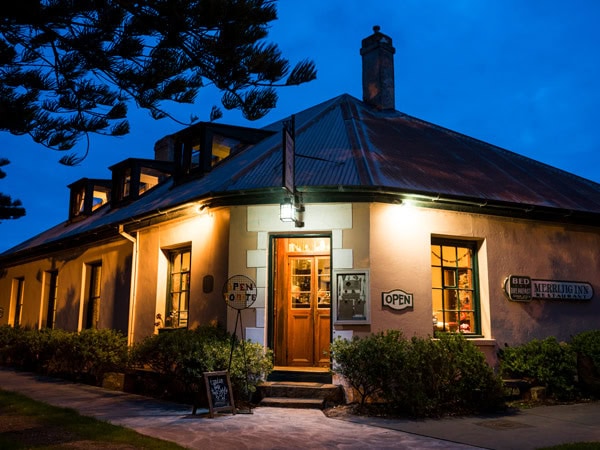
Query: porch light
287,211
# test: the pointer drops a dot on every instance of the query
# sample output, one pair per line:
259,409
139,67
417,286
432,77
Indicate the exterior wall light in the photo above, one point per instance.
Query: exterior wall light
286,211
290,212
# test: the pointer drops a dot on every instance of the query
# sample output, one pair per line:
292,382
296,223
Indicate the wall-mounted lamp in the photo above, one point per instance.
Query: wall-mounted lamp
290,212
287,212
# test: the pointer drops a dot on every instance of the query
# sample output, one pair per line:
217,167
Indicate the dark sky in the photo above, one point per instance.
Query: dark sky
520,74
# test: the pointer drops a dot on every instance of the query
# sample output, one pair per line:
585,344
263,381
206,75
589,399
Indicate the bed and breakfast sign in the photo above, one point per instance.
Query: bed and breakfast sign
520,288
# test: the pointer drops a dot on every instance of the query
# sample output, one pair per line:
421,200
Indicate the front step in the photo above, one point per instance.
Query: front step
300,403
290,394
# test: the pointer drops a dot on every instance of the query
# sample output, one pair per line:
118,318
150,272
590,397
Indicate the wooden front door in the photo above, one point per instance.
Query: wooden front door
303,307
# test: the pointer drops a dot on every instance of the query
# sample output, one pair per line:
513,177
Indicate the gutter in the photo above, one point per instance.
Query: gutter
133,290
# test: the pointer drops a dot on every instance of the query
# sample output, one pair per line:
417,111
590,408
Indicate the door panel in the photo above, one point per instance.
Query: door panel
309,311
300,349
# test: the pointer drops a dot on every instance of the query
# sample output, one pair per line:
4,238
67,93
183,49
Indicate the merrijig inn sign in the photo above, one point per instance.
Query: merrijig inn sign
521,288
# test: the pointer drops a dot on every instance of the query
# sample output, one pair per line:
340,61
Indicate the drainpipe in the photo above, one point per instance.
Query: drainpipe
132,291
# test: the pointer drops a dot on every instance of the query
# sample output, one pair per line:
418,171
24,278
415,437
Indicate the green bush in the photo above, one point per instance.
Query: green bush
84,356
544,362
445,376
368,363
419,377
256,366
180,357
586,345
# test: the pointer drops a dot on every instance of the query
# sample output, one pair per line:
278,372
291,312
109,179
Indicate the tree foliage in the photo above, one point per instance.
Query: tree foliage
9,208
71,68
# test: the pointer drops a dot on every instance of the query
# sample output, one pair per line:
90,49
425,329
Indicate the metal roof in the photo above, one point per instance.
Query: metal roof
345,145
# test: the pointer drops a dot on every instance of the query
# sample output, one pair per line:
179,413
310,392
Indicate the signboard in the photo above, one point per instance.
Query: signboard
397,299
219,393
239,292
523,288
518,288
288,159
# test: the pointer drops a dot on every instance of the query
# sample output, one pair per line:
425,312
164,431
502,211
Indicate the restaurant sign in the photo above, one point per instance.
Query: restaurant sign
397,299
521,288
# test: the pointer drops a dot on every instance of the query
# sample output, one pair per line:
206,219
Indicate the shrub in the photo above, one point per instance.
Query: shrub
544,362
247,373
180,357
420,377
586,345
368,363
7,337
84,356
444,376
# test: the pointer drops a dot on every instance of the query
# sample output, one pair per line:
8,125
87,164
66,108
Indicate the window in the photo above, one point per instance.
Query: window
92,303
51,290
88,195
134,176
178,299
18,288
454,286
126,183
201,147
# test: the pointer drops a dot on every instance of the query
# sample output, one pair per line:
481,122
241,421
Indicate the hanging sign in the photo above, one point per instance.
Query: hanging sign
397,299
289,154
521,288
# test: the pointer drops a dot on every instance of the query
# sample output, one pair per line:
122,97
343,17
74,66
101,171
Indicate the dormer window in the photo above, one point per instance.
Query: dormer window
87,195
203,146
133,177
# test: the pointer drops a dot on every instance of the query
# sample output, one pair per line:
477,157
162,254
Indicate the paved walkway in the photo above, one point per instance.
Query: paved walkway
281,428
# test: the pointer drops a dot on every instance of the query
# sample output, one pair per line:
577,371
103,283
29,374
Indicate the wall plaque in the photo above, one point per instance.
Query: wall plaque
397,299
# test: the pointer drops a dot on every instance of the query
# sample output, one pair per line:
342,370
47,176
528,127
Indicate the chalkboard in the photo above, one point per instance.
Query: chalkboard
218,391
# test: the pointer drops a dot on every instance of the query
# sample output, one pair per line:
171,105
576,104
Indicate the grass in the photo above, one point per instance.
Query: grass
28,424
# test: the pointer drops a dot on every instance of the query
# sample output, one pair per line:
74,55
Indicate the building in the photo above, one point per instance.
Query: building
346,219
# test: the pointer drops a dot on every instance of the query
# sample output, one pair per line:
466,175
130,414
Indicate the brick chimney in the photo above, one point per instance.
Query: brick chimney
378,70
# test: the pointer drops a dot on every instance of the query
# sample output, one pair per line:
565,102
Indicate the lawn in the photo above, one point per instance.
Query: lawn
27,424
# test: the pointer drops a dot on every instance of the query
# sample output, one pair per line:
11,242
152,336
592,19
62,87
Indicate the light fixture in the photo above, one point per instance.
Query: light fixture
290,212
287,211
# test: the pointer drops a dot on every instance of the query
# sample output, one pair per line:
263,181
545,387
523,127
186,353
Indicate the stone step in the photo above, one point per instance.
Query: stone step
293,394
299,390
287,402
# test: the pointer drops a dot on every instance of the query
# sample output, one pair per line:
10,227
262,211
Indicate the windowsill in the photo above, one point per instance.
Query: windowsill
167,329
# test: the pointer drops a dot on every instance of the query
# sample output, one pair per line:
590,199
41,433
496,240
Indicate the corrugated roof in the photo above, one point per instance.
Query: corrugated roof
347,143
344,143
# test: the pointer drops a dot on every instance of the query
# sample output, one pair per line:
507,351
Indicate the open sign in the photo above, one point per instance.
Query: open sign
397,299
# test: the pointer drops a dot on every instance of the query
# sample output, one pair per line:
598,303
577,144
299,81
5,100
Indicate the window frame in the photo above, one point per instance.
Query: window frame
18,295
475,299
51,297
91,310
171,319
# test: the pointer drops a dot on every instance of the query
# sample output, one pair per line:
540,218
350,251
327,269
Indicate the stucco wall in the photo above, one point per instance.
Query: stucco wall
71,265
208,236
400,259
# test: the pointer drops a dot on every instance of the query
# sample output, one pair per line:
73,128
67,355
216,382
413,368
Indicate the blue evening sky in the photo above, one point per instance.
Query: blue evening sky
520,74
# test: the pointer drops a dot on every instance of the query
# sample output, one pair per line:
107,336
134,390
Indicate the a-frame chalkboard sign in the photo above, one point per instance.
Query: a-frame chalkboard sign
219,393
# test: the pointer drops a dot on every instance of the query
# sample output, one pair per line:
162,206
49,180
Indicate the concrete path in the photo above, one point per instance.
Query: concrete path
281,428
